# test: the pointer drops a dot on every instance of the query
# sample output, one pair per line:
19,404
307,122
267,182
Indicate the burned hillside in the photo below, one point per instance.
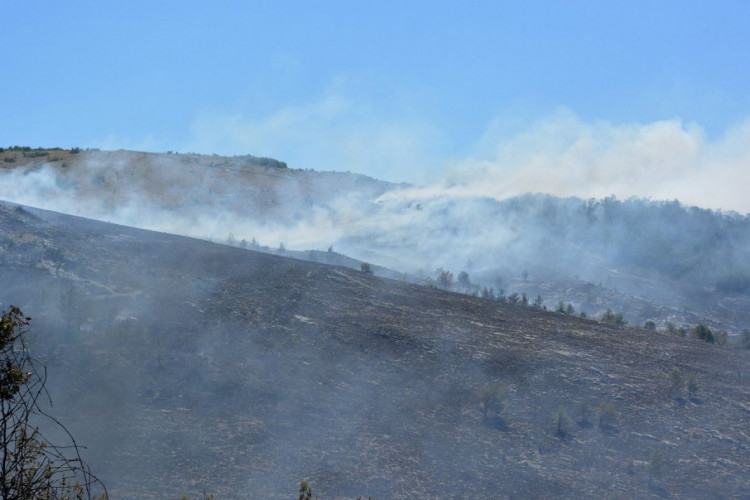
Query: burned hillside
185,366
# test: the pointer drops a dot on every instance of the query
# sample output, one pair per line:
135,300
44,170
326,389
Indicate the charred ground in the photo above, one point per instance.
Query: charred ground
186,366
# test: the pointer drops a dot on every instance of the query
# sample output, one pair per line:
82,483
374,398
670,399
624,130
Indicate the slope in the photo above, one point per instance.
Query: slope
654,261
186,366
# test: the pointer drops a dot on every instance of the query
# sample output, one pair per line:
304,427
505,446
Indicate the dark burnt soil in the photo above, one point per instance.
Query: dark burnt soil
186,366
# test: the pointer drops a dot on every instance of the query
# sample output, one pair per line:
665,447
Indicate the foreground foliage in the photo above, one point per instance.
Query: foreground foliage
31,466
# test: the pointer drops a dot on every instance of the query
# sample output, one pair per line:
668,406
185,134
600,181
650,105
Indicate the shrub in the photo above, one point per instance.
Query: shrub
445,280
565,308
35,154
702,332
32,466
366,268
614,318
561,422
464,281
676,380
692,386
607,415
538,302
492,399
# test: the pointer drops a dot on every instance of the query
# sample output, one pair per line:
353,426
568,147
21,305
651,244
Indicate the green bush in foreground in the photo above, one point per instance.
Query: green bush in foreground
32,467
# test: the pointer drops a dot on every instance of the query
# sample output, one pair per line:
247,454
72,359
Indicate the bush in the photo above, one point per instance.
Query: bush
366,268
492,399
614,318
561,422
676,380
35,154
692,386
702,332
263,161
32,466
607,415
445,280
538,302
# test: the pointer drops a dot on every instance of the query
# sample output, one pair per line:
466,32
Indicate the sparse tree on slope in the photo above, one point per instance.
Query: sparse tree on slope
676,381
561,422
702,332
692,386
614,318
445,280
492,399
464,282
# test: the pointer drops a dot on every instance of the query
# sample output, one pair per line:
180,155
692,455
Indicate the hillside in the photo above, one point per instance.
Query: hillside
184,365
657,261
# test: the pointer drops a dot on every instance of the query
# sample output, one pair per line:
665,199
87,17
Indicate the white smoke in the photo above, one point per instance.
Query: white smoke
565,156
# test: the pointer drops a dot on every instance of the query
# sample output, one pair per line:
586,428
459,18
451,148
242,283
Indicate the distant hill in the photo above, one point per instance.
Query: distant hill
184,365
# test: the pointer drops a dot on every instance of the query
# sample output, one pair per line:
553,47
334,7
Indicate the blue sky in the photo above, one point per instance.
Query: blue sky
408,91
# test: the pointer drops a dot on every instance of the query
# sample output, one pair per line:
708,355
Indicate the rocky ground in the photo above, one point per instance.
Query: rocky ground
186,366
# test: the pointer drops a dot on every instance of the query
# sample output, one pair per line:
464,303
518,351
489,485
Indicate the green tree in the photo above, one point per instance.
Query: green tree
561,422
676,381
702,332
538,302
365,268
31,466
692,386
445,280
464,282
649,325
492,399
614,318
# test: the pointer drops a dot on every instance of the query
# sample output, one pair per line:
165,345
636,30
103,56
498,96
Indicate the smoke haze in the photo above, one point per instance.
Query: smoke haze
560,154
472,219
